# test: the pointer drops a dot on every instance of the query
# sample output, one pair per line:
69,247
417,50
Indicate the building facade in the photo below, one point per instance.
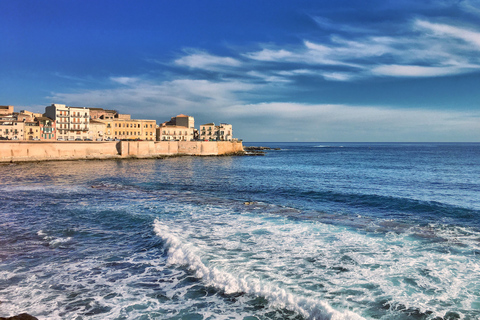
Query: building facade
47,129
32,131
6,110
179,128
211,132
133,129
71,123
12,130
97,130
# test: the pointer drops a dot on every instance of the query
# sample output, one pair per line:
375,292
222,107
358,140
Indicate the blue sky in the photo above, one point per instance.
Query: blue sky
276,70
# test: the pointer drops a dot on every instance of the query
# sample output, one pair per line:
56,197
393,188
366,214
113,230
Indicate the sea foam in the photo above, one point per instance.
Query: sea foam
181,253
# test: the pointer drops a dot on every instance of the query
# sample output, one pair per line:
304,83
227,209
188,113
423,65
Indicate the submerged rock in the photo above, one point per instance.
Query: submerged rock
259,148
22,316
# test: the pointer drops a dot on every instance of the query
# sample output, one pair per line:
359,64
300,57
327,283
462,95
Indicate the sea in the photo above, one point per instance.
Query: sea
329,231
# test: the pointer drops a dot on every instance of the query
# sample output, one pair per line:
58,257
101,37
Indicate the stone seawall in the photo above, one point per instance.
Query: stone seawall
13,151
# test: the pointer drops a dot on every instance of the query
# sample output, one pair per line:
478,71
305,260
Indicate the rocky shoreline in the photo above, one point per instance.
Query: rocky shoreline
257,151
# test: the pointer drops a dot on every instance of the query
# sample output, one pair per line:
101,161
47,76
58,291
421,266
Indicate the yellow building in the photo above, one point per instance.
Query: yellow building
133,129
32,131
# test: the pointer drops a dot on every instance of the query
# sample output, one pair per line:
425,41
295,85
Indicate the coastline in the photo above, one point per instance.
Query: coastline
33,151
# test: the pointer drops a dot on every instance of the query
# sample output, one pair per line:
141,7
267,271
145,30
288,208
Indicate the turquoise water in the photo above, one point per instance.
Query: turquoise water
330,231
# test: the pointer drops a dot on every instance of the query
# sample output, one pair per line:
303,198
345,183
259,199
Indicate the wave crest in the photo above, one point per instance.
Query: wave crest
180,253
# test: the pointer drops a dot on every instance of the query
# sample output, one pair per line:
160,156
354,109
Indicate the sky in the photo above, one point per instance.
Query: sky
311,71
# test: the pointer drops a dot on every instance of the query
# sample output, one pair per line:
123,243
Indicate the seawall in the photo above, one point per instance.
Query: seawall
15,151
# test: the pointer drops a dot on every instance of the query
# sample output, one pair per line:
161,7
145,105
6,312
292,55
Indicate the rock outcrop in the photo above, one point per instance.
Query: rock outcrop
22,316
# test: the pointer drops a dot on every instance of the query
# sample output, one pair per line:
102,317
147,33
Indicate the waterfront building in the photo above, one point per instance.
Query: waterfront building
32,131
133,129
47,128
97,130
180,128
12,130
72,123
210,131
225,132
106,117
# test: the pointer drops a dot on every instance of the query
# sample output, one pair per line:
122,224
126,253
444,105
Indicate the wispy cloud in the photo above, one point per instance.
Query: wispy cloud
424,49
445,30
159,99
203,60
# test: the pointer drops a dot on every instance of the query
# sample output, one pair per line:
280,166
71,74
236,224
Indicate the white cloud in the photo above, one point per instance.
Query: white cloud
447,30
159,99
330,122
124,80
202,60
425,49
419,71
270,55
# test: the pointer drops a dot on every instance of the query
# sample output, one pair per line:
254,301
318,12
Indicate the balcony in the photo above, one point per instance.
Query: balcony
79,129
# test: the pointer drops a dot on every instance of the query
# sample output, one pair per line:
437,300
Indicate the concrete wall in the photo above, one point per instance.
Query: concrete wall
73,150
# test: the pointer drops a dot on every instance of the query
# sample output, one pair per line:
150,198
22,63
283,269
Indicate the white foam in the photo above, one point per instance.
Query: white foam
183,254
58,242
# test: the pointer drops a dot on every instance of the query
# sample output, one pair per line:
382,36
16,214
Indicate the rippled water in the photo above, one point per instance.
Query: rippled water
311,231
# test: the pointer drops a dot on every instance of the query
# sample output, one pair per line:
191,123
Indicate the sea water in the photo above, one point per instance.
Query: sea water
310,231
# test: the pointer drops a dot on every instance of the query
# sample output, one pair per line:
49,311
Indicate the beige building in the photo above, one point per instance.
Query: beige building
12,130
6,110
97,130
71,123
133,129
179,128
107,117
210,131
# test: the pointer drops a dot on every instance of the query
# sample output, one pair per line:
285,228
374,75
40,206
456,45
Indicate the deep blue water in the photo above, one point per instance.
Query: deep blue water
311,231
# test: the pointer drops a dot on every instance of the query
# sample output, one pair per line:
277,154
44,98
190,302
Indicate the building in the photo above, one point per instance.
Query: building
27,115
97,130
32,131
179,128
6,110
71,123
133,129
210,131
102,114
225,132
47,128
106,117
12,130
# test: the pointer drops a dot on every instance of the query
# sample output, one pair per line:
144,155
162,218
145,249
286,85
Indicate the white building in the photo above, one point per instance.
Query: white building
210,131
72,123
179,128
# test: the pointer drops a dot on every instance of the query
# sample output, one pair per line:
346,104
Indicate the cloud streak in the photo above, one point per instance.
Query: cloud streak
425,49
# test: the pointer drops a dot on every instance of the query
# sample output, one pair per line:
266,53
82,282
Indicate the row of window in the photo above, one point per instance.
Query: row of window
174,132
74,113
130,125
126,133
